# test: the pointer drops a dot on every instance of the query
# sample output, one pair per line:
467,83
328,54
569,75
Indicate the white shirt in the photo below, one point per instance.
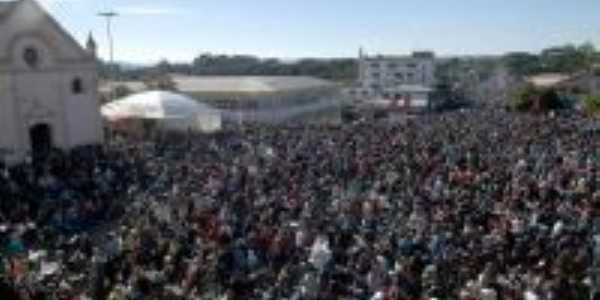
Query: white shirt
320,253
530,295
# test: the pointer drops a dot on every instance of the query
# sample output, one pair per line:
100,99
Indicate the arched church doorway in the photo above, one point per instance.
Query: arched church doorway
40,136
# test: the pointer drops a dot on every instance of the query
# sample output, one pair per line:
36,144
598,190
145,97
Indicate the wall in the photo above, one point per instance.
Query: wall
282,113
397,71
377,73
34,93
83,117
8,130
47,97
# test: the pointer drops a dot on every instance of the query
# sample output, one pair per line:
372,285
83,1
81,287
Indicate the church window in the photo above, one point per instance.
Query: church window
77,86
31,57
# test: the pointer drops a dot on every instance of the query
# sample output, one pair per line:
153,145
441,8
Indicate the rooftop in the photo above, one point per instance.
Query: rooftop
6,7
247,84
420,55
233,85
548,79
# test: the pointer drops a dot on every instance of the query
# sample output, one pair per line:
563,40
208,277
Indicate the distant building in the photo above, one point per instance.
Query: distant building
570,87
580,83
390,77
48,84
268,99
548,80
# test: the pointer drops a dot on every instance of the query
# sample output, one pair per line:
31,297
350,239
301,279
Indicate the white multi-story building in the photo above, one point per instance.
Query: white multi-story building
392,77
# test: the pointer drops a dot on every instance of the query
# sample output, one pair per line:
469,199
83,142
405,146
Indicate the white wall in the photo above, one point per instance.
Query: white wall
419,100
280,114
387,67
32,95
82,111
8,130
38,100
47,97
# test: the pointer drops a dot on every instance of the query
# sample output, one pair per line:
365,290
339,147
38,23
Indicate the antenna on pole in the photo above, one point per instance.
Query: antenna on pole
109,15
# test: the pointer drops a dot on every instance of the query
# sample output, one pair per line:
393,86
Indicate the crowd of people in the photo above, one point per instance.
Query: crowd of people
463,205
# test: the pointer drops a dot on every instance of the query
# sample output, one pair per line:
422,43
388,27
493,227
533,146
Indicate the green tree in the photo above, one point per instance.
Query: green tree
522,63
530,98
588,53
568,58
550,100
164,67
162,82
121,91
524,98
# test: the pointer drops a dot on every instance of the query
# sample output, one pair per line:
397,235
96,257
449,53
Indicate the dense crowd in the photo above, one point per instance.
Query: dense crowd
466,205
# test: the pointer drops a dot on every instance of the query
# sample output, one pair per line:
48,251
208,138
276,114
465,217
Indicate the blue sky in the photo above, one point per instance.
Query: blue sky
178,30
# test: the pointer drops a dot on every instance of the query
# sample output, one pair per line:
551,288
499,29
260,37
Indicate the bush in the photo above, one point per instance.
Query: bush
549,100
524,98
122,90
530,98
160,82
116,92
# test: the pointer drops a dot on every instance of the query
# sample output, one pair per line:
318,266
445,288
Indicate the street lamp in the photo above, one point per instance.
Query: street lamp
109,15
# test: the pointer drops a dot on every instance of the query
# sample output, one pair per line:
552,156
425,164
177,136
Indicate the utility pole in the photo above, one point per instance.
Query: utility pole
109,15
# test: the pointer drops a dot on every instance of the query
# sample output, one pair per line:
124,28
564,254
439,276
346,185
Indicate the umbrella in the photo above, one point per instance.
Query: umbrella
175,109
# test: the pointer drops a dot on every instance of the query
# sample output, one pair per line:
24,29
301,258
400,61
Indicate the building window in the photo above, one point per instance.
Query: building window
375,65
399,76
393,65
411,65
31,57
77,86
376,75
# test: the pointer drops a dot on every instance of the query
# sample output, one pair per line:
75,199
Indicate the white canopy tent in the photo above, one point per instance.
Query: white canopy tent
169,110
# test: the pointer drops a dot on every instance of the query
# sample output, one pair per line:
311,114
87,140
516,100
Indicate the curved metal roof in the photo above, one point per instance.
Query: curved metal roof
247,84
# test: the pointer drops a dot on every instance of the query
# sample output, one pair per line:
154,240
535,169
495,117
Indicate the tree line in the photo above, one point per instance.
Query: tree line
563,59
338,69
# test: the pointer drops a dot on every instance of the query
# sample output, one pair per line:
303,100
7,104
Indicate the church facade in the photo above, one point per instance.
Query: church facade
48,85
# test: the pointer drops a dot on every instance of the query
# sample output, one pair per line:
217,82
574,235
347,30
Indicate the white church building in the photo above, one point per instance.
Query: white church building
48,85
